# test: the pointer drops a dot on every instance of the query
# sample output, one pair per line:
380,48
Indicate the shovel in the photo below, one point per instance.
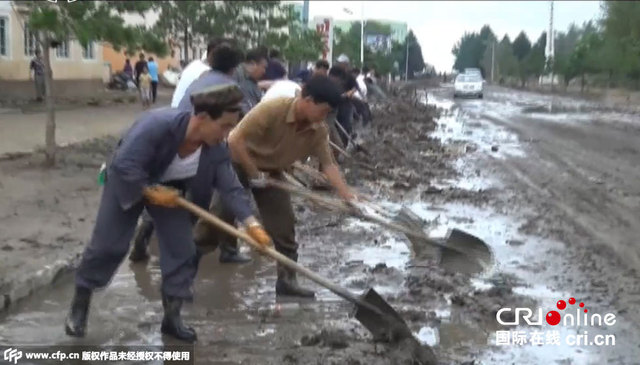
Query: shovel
460,251
350,139
370,309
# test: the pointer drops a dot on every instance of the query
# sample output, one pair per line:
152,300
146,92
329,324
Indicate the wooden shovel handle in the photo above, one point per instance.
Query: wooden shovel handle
268,251
339,204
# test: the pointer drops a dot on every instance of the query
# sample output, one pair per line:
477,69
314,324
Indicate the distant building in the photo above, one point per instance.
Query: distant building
114,60
77,70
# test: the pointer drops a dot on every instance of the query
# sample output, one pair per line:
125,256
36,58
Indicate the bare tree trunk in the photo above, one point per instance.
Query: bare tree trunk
582,84
50,131
186,44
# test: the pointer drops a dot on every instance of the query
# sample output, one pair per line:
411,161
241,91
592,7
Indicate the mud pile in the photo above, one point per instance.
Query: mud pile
396,151
398,159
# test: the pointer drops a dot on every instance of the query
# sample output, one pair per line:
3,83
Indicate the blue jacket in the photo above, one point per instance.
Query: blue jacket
153,70
149,146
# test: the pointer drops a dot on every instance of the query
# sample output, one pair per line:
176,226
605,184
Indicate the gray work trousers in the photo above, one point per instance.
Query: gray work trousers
112,235
39,83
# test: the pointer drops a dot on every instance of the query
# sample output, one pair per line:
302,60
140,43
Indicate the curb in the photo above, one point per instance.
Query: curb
22,285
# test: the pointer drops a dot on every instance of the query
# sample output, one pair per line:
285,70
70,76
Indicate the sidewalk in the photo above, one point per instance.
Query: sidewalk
20,133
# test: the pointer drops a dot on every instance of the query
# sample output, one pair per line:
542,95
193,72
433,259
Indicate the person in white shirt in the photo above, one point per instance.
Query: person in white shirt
360,98
191,73
282,88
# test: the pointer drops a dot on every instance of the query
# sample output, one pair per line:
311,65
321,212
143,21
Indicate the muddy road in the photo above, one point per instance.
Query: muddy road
549,183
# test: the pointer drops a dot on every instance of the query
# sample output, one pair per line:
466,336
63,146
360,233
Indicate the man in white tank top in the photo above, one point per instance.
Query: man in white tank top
183,148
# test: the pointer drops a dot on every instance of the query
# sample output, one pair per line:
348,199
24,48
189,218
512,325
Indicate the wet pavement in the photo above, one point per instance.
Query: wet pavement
539,256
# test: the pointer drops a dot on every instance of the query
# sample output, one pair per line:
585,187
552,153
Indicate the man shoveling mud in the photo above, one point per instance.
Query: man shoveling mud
182,149
268,140
224,58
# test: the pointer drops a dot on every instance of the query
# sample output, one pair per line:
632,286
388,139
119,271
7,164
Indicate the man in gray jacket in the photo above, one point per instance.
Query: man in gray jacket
224,58
177,148
247,76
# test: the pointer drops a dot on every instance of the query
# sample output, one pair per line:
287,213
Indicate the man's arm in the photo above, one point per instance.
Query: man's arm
232,193
131,162
240,153
336,180
254,124
331,170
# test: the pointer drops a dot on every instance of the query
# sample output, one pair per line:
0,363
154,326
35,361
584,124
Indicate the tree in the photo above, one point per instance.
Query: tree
534,61
260,23
521,48
86,21
303,44
467,51
416,62
471,48
348,43
178,21
506,62
622,24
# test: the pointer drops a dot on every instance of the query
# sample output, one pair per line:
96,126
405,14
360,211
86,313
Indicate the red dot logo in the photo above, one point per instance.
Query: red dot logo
585,311
553,318
561,304
572,301
581,305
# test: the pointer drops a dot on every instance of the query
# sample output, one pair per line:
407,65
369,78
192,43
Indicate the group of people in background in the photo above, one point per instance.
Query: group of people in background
145,75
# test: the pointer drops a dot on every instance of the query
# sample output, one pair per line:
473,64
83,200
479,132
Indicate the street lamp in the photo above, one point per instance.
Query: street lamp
348,11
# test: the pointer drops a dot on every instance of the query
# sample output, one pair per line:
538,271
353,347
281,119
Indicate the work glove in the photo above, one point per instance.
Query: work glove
261,181
161,195
257,232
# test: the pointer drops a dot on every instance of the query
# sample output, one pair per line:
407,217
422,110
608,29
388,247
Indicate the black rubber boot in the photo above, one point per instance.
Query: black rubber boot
141,242
172,322
287,284
230,256
76,322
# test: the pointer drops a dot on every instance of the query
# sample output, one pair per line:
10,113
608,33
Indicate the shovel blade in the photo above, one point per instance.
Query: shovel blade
470,245
386,324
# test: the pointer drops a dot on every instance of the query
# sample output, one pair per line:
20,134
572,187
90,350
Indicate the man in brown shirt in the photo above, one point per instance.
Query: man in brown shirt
268,140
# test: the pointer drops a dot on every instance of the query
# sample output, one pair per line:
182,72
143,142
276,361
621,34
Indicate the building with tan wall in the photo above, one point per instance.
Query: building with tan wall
77,71
114,60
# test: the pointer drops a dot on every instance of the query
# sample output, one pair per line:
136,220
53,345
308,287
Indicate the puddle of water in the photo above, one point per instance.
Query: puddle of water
391,252
428,336
457,125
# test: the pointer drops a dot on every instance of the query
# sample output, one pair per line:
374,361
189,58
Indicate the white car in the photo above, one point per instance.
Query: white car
472,71
468,85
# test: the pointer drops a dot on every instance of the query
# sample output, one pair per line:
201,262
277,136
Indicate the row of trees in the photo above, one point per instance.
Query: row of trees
606,52
251,23
519,59
385,62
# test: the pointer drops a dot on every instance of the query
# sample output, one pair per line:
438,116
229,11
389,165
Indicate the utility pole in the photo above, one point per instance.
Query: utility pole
362,35
493,56
406,66
550,42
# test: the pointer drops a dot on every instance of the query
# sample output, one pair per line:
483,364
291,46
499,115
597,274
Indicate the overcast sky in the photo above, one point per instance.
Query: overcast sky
439,24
